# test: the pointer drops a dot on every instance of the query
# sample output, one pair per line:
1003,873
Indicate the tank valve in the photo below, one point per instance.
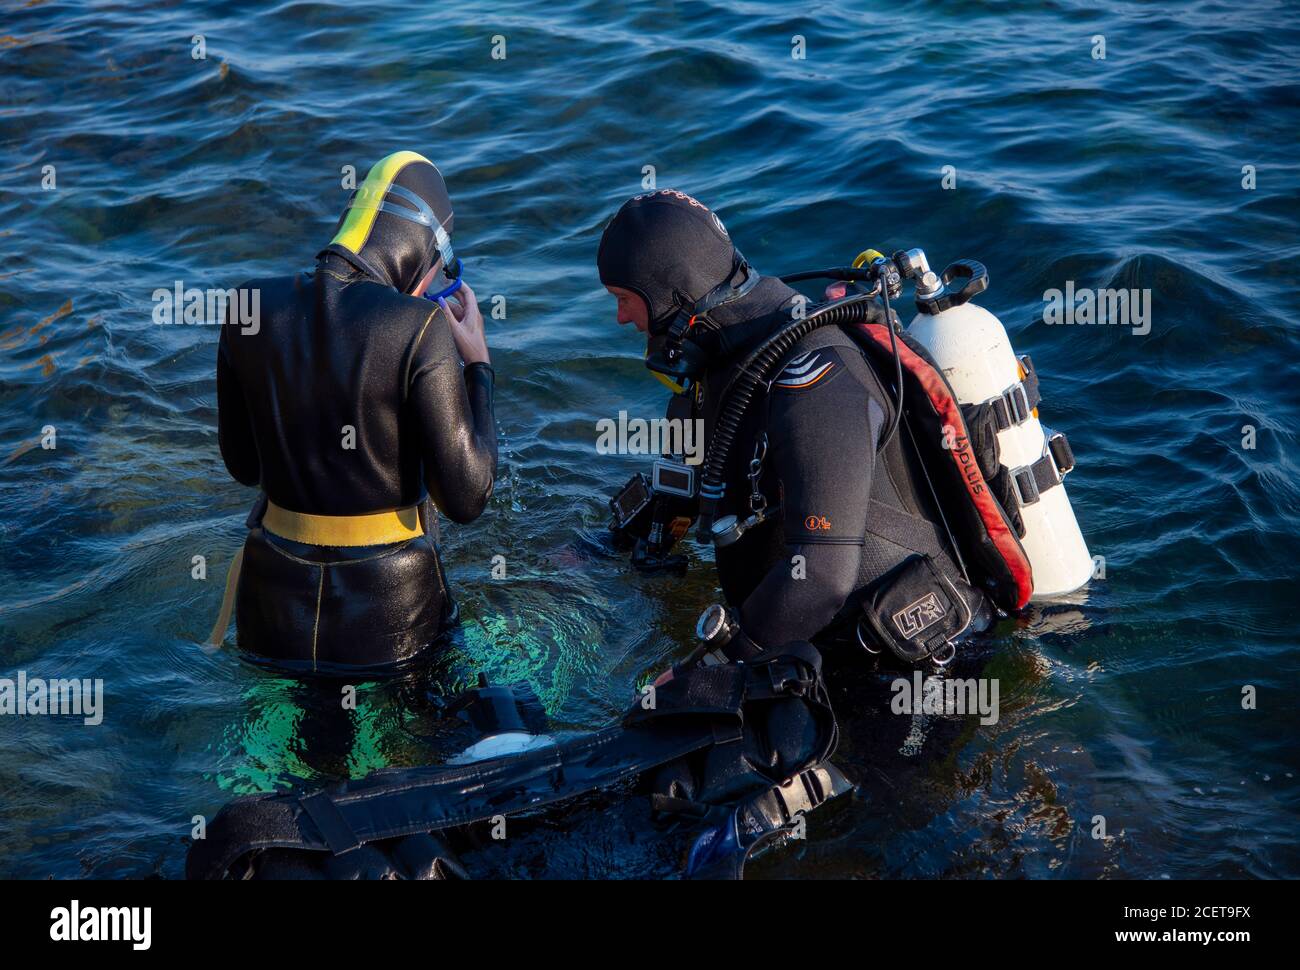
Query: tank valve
915,266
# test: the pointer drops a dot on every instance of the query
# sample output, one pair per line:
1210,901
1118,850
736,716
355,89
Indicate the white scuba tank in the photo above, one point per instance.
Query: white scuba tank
972,349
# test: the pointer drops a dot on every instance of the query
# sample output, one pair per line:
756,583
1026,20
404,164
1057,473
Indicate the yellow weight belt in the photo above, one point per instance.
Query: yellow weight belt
371,529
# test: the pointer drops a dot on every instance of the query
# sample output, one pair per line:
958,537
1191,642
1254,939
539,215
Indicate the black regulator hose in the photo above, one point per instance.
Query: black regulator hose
856,273
752,373
898,375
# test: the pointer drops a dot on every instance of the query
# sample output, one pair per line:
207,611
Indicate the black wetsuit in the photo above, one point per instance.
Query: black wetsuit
850,513
335,350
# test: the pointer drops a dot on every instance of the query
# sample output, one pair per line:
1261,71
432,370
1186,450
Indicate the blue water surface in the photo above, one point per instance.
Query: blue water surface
992,131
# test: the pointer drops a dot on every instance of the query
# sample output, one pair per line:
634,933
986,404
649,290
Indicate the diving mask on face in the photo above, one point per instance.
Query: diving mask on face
451,266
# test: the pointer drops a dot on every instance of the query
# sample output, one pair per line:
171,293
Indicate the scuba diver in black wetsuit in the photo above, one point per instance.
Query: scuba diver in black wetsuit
822,516
357,408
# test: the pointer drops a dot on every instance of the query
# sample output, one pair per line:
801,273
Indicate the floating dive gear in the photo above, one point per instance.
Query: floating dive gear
499,716
715,739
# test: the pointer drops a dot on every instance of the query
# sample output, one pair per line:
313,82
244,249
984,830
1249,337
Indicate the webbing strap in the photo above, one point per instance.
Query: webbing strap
912,532
218,634
1031,480
1016,404
330,822
371,529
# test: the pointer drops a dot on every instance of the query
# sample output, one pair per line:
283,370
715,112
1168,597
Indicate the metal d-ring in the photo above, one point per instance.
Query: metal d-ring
857,631
952,653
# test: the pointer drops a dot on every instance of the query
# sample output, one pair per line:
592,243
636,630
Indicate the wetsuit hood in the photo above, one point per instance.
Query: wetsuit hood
667,248
398,223
677,256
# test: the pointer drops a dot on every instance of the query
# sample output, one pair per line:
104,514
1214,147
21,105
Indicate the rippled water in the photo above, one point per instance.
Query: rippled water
1126,171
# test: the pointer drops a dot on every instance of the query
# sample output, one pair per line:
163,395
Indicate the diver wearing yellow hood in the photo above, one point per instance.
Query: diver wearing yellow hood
356,407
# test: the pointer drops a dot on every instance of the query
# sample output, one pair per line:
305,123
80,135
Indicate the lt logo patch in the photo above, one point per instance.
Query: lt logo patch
919,616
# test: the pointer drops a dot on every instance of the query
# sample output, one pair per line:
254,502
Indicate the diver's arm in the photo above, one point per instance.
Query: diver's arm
823,439
234,425
453,411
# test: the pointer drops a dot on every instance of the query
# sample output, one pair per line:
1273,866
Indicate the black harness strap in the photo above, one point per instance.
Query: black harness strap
1016,404
912,532
329,821
1047,472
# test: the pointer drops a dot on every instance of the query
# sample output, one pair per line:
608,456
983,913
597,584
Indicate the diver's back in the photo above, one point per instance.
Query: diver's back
324,378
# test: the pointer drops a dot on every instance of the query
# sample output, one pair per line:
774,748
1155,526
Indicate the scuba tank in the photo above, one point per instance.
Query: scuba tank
971,348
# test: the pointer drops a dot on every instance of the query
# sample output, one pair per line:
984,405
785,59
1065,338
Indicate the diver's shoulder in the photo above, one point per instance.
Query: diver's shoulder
388,309
419,323
276,285
819,359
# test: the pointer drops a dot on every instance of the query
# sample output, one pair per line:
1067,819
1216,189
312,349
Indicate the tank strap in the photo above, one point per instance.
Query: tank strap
1016,404
1030,481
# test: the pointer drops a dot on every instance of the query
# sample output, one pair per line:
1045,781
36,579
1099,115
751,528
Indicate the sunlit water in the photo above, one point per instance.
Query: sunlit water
1125,171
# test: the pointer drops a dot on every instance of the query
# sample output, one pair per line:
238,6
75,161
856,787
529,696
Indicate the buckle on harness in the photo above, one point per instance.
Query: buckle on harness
1017,399
1062,454
1012,407
1025,485
1030,481
787,680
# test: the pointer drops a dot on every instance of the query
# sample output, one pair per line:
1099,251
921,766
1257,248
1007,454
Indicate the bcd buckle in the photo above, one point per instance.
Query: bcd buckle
1025,485
1017,403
